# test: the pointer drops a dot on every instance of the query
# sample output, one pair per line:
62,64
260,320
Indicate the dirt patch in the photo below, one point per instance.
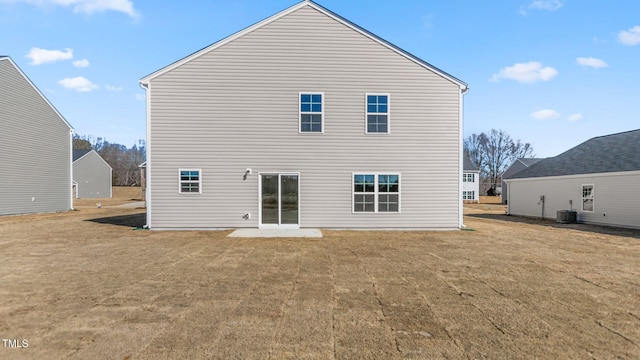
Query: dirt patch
85,285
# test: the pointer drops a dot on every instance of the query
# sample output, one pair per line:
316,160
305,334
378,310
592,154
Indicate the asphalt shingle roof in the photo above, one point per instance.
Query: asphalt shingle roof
77,154
467,165
602,154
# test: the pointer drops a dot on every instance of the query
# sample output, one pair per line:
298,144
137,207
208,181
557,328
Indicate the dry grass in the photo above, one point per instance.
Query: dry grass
84,285
120,195
490,200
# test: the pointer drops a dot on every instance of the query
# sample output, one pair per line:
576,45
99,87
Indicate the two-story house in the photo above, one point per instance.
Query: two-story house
37,177
470,182
303,120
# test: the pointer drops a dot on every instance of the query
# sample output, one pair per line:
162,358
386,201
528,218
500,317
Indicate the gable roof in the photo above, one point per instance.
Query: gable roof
8,58
145,80
517,166
80,153
467,165
529,161
602,154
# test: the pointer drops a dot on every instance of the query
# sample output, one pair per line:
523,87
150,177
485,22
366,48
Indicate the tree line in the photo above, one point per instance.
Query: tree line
124,161
493,153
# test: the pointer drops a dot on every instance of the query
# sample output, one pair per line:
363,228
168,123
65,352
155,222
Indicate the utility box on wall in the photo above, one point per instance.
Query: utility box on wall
567,216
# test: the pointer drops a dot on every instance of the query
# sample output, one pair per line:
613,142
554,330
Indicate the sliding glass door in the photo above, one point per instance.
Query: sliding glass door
279,200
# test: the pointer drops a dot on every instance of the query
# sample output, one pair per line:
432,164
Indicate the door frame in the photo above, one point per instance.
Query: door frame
279,225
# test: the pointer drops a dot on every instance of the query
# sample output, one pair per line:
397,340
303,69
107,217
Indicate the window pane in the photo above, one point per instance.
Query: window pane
371,99
316,98
363,203
305,107
371,108
377,123
305,98
382,108
364,183
316,107
388,203
189,175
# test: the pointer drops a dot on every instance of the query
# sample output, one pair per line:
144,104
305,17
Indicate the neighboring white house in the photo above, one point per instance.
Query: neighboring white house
517,166
303,120
35,147
470,182
598,178
91,175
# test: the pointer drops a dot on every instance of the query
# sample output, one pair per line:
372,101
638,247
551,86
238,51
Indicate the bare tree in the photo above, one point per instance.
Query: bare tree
492,153
122,160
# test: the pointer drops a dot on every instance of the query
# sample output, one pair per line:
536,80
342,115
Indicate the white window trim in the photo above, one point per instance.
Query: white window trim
375,193
593,198
300,112
366,114
199,181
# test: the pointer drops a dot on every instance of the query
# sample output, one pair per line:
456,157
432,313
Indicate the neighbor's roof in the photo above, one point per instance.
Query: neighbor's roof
529,161
467,165
78,153
603,154
461,84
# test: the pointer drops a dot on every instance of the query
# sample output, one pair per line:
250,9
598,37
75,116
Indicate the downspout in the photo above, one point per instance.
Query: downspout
147,173
71,169
461,224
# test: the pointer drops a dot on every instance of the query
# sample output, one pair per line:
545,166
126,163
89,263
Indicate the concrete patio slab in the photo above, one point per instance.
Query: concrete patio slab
275,233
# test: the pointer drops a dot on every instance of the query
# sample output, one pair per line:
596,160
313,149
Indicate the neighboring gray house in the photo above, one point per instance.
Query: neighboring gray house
470,182
303,120
91,175
598,178
35,147
517,166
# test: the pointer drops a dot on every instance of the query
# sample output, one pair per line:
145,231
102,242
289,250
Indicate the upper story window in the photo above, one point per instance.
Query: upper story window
587,197
311,111
377,113
469,177
190,181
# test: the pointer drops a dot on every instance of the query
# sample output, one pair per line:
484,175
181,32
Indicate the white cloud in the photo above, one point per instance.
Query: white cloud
546,5
40,56
575,117
546,114
526,73
88,6
113,88
591,62
81,63
630,37
79,84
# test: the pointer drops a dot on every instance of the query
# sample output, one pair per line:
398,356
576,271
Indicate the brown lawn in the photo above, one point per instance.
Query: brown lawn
86,285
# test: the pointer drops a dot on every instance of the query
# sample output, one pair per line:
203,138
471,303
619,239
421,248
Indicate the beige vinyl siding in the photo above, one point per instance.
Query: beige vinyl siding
35,148
614,200
93,176
236,107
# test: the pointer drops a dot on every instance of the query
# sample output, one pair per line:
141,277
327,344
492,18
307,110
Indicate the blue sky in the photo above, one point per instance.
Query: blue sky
550,72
